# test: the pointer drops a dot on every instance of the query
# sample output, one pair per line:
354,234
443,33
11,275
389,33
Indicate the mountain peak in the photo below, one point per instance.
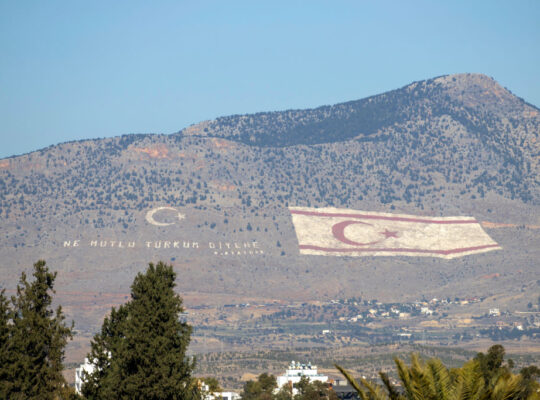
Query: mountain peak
466,79
483,93
456,95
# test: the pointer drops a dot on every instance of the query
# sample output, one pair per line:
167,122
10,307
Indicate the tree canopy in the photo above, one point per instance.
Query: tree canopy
141,349
265,388
483,377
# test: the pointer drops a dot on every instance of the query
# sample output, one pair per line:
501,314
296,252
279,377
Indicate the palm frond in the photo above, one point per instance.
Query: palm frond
376,391
406,380
506,387
441,379
353,383
392,391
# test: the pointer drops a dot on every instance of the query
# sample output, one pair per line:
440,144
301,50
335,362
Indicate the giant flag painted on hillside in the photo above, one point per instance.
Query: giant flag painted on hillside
343,232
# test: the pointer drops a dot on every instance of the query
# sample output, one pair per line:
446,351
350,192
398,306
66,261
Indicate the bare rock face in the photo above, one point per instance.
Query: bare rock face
484,93
213,199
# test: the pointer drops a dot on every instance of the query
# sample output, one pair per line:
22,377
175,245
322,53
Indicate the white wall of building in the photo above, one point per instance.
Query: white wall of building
296,371
83,370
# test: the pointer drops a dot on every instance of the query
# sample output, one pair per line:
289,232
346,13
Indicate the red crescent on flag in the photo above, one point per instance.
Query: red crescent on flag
338,230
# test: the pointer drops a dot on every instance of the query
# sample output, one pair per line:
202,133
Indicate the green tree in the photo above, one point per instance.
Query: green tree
431,380
5,317
33,337
530,376
284,393
213,386
491,363
315,390
141,349
261,389
101,384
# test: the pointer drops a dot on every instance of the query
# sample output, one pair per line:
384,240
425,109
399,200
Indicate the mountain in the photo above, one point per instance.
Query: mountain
452,145
440,126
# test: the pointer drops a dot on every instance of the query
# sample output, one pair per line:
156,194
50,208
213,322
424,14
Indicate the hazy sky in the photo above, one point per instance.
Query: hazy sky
83,69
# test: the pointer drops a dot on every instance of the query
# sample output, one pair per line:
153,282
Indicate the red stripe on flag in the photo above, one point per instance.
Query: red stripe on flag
396,250
403,219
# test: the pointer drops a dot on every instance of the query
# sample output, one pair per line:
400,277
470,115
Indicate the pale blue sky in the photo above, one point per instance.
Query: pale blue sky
83,69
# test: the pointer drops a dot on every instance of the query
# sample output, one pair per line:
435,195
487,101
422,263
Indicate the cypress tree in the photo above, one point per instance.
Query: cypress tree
5,316
33,340
105,347
141,349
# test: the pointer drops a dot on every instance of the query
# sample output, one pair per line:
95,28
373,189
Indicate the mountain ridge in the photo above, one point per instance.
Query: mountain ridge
428,135
469,84
195,129
442,153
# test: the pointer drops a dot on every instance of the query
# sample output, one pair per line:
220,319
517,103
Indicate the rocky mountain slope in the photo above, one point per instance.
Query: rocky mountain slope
452,145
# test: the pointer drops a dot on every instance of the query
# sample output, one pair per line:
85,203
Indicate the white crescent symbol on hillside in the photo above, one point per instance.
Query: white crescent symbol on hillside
150,216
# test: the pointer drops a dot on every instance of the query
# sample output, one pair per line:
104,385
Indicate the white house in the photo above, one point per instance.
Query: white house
426,311
229,396
296,371
218,395
84,369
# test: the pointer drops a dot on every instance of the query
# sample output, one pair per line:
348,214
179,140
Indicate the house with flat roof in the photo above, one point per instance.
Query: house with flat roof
296,371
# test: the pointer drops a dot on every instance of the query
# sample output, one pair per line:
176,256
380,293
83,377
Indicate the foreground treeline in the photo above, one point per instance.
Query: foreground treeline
265,388
486,376
140,353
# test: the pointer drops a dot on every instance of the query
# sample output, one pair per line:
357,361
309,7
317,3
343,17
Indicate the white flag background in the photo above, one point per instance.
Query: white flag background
342,232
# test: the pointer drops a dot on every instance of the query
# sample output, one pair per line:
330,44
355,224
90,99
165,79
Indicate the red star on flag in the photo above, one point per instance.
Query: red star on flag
389,234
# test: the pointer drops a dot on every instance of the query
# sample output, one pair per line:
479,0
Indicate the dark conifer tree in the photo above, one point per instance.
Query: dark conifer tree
102,383
5,316
141,349
33,340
